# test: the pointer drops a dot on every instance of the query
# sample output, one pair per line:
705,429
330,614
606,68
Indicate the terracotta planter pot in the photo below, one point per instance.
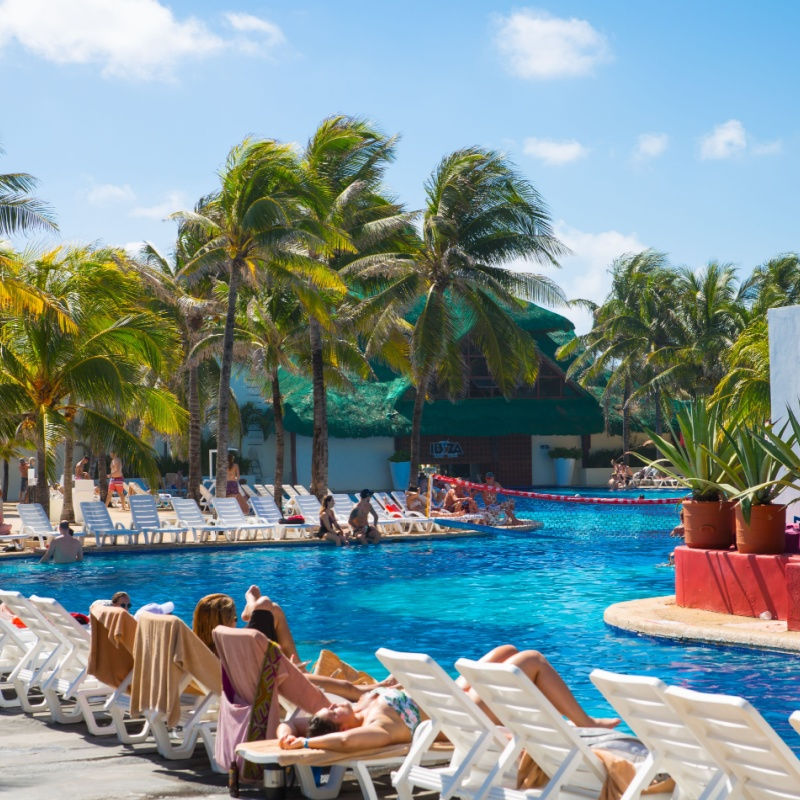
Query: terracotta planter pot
766,532
708,524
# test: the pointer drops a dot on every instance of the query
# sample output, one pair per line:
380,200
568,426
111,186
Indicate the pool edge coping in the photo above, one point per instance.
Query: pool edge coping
661,618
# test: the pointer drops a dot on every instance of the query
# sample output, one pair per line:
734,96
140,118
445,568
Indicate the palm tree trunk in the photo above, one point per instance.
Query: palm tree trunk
195,467
626,423
416,423
68,512
319,445
223,401
277,410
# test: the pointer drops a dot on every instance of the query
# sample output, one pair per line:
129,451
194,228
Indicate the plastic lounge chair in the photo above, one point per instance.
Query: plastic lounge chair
16,540
15,644
423,525
300,489
758,763
307,505
229,512
167,659
191,517
35,523
477,742
673,748
144,517
397,522
261,490
113,631
70,681
265,508
290,491
343,505
97,521
536,727
206,501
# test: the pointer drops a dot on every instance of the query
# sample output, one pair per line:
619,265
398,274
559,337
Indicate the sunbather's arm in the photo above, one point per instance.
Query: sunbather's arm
363,738
338,686
48,555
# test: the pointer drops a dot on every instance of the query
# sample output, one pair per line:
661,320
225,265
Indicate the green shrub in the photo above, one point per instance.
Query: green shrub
564,452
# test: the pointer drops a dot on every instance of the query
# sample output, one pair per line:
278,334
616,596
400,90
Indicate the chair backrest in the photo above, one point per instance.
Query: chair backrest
96,516
300,489
140,483
74,635
228,508
262,490
640,701
37,624
188,511
742,743
344,503
308,504
540,729
143,511
450,710
33,516
399,499
290,491
265,507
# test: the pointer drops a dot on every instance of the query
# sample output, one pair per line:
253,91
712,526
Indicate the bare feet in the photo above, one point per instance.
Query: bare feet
251,597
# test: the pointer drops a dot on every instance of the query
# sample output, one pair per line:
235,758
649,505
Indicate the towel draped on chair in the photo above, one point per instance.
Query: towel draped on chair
111,648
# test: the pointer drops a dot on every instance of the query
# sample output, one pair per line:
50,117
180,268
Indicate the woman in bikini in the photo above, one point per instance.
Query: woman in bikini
329,527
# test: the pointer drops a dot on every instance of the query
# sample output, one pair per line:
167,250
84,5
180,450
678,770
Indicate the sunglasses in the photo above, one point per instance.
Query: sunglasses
124,605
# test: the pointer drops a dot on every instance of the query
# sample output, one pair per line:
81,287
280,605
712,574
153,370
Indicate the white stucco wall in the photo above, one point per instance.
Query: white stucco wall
542,465
784,372
353,464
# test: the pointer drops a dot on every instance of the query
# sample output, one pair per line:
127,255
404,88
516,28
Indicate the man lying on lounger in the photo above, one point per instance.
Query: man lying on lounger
385,715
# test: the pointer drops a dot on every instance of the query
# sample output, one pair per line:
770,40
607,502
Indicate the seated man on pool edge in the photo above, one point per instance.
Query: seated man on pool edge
360,529
385,715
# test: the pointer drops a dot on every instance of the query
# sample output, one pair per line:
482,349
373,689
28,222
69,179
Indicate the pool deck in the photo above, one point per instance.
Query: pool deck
42,761
168,516
661,617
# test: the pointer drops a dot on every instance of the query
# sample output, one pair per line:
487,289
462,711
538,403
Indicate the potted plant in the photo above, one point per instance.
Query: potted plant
695,454
400,469
763,462
564,459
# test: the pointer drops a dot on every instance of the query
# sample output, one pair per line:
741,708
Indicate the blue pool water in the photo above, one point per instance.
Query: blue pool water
546,589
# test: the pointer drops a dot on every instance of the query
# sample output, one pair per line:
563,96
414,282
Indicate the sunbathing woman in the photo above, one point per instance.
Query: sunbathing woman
259,613
329,527
386,715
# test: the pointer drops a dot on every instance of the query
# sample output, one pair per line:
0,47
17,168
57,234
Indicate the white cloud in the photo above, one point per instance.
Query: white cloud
554,152
584,274
174,201
135,39
726,141
772,148
133,248
105,193
650,145
538,46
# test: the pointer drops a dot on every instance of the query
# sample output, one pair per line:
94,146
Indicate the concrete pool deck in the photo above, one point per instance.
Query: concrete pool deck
42,761
661,617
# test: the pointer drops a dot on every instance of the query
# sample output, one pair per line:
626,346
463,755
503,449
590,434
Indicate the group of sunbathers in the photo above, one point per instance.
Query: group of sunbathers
367,716
358,530
457,501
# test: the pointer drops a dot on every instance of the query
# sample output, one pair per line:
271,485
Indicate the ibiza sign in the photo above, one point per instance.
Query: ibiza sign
445,449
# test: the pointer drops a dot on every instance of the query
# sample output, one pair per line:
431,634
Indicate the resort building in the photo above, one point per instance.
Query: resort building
371,421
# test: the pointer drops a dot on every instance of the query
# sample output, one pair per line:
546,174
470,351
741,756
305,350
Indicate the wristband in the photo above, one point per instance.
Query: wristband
305,743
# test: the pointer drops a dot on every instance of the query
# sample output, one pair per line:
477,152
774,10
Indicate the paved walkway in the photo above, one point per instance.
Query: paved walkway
45,761
659,616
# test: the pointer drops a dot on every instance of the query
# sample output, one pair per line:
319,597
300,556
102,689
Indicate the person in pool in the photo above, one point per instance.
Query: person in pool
377,716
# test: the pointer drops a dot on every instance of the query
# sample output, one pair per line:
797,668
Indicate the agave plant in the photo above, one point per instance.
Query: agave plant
762,463
696,452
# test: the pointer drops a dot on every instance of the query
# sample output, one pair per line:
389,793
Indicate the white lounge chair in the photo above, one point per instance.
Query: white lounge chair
206,501
15,644
673,748
794,720
300,489
262,490
397,522
478,743
536,727
758,763
229,512
164,647
307,505
191,517
97,522
36,523
422,524
70,681
144,518
265,508
343,505
41,659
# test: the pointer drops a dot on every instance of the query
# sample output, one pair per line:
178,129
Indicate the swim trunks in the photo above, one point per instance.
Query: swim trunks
400,702
231,488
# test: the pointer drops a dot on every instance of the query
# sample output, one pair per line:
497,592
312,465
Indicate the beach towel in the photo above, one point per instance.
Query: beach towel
255,674
330,665
165,654
111,648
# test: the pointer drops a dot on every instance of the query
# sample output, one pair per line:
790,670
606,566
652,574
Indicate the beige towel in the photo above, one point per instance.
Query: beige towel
330,665
166,652
111,649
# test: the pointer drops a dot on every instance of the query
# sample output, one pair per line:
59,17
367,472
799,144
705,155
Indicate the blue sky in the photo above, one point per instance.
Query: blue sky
666,125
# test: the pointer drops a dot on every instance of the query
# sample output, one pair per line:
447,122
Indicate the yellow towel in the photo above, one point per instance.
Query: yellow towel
111,649
164,654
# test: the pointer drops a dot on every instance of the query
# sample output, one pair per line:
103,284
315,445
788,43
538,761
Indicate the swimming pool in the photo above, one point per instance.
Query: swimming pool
454,598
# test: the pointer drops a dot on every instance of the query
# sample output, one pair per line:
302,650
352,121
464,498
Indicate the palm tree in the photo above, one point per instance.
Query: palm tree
91,375
19,211
245,223
345,160
629,329
480,215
